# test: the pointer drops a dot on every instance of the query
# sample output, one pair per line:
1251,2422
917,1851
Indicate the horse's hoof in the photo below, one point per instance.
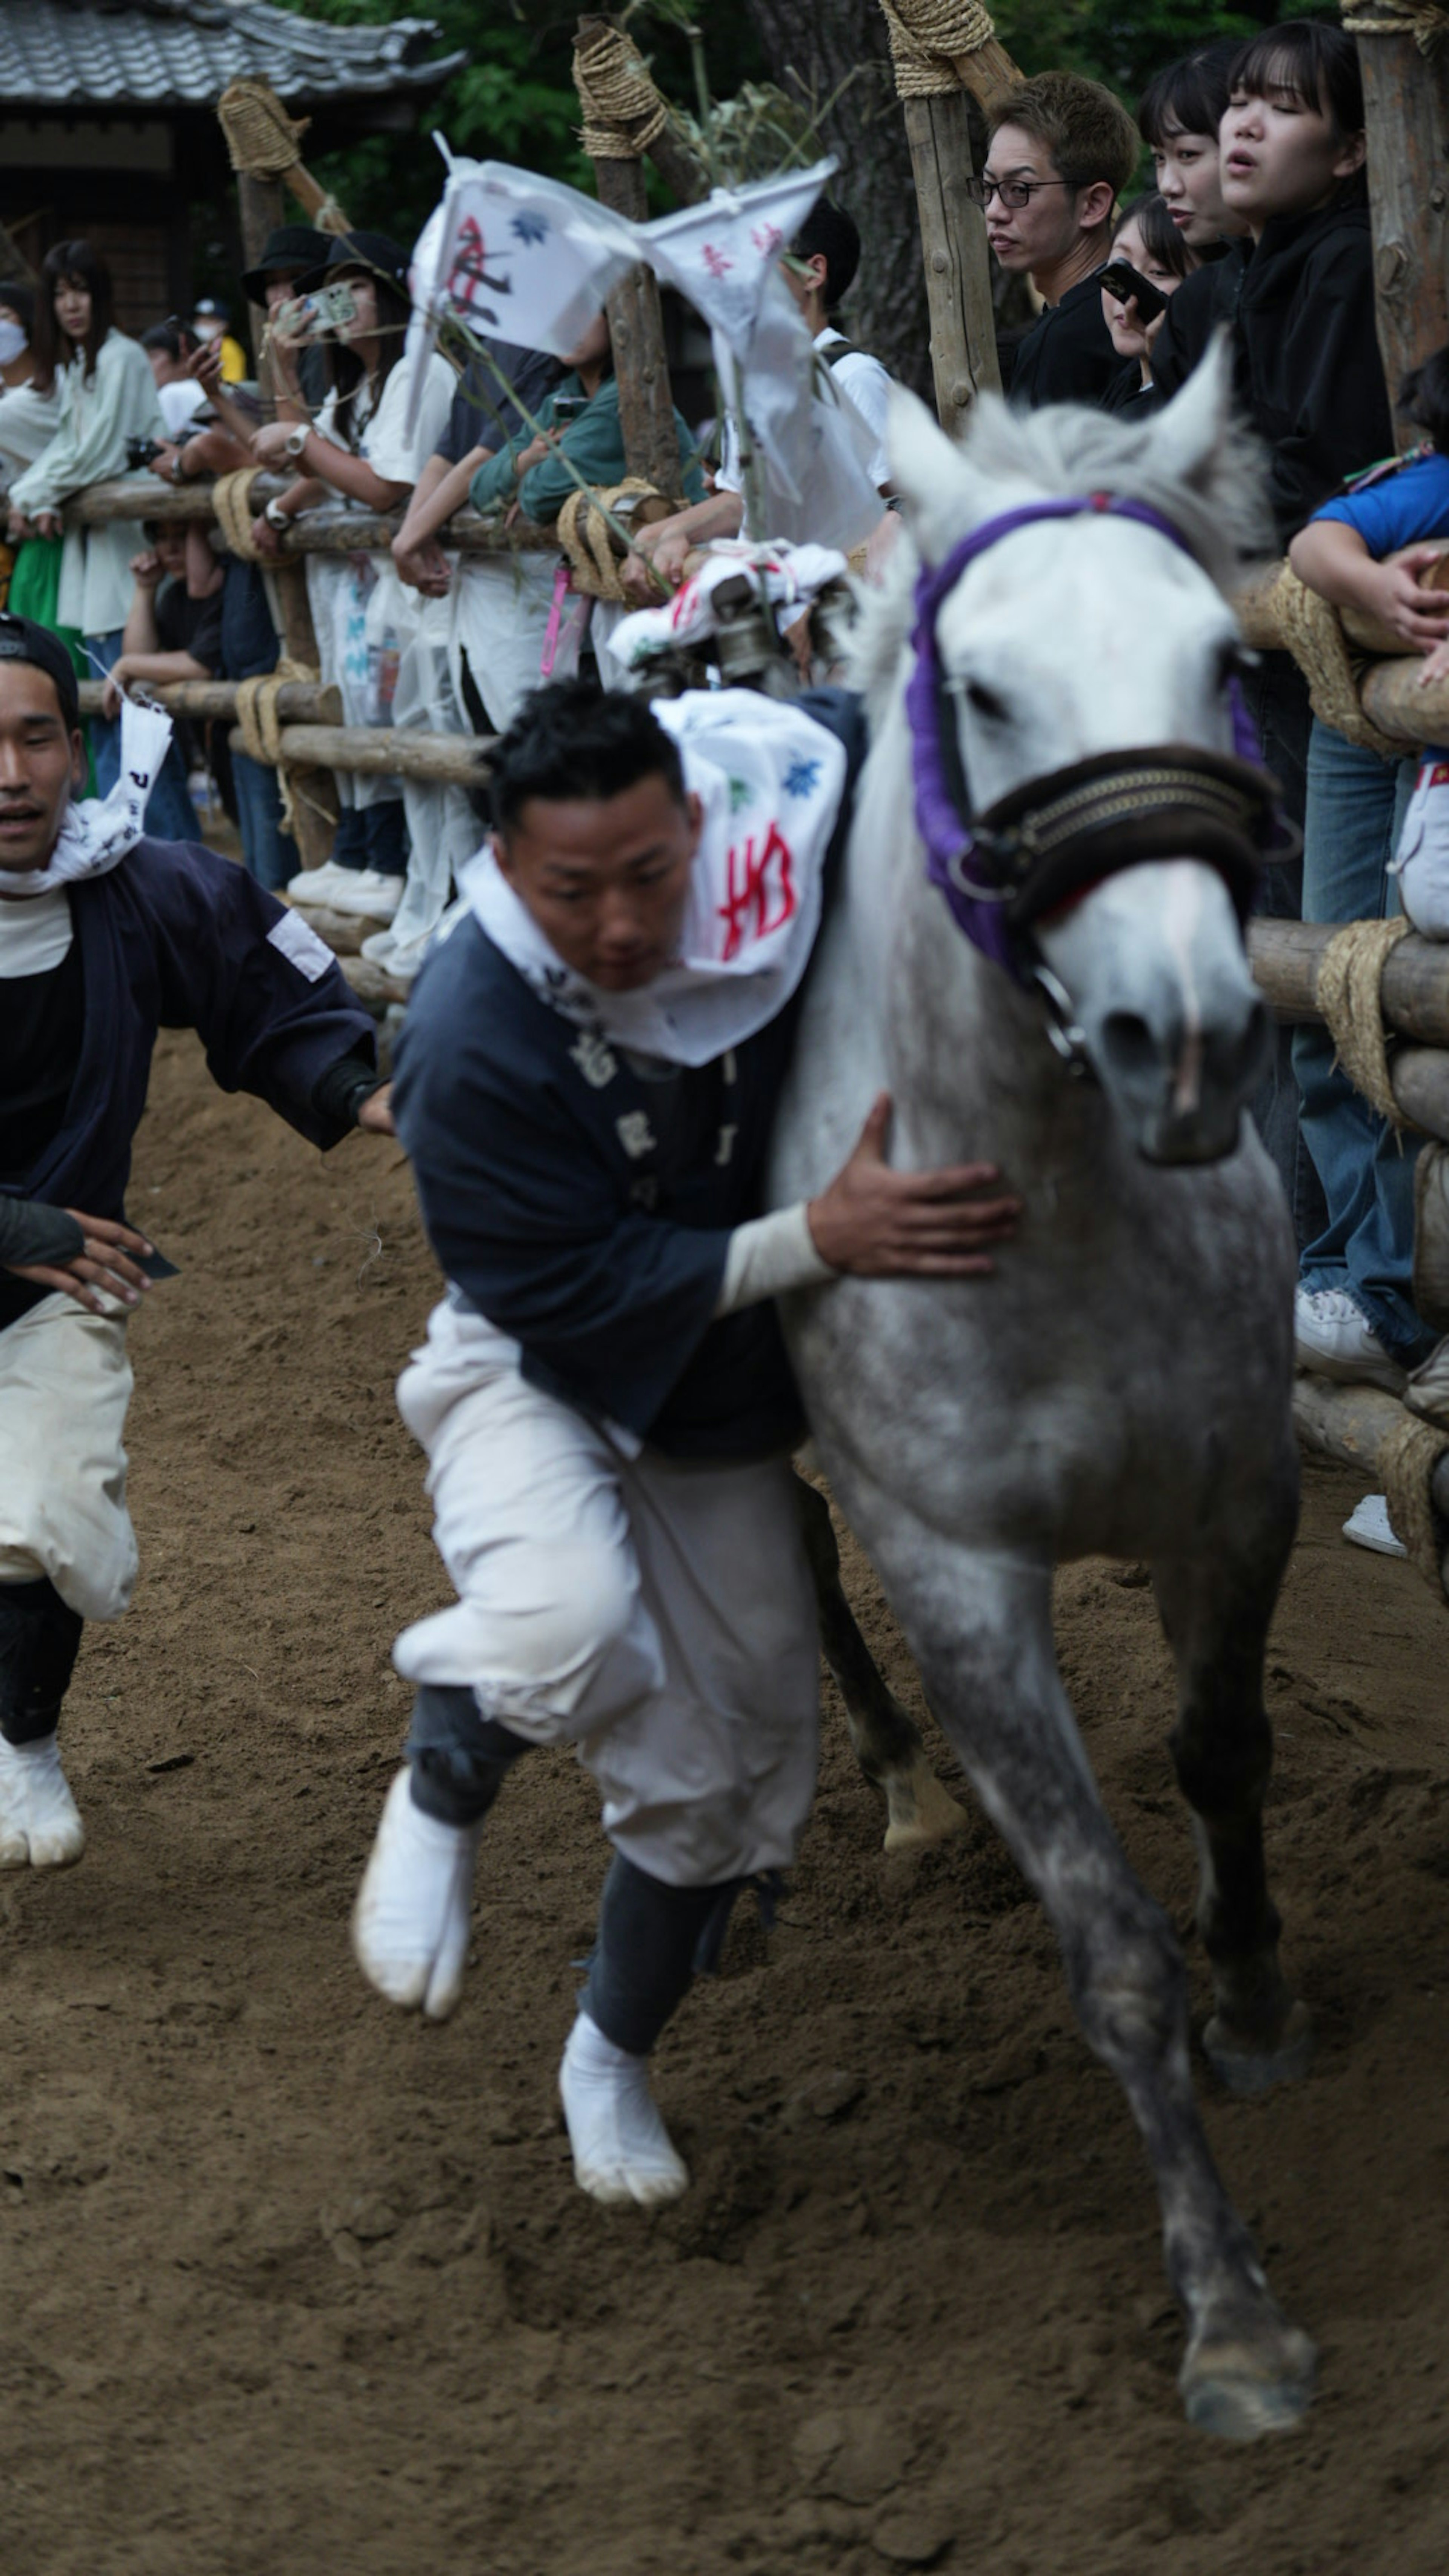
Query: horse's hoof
1246,2067
921,1811
1239,2391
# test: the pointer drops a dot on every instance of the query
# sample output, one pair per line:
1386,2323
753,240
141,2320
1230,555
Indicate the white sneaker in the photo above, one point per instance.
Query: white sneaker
623,2152
1368,1525
399,958
317,886
1427,1392
368,892
413,1916
39,1819
1333,1339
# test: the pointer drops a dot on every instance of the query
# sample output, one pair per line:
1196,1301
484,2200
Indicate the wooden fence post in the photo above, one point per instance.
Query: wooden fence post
314,791
933,85
636,321
1406,108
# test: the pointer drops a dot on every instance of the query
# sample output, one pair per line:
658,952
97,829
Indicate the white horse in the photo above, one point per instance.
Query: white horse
1122,1384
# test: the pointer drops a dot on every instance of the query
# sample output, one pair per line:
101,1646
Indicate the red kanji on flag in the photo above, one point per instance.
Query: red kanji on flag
761,891
715,260
767,239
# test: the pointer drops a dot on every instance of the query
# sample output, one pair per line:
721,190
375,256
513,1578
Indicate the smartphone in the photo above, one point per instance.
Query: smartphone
1121,279
567,408
155,1265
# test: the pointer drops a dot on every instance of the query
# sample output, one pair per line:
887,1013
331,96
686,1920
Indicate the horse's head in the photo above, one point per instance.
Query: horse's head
1098,638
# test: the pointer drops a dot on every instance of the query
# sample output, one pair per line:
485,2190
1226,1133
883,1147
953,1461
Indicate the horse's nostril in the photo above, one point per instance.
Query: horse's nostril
1129,1045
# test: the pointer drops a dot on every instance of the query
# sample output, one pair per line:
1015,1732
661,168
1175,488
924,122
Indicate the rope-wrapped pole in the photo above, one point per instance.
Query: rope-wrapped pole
931,43
623,114
1405,67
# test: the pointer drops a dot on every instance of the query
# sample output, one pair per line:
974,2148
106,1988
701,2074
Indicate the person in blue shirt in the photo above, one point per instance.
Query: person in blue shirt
585,1085
1355,1316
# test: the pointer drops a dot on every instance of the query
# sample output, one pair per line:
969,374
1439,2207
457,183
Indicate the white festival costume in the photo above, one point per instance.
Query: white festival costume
789,578
770,780
97,834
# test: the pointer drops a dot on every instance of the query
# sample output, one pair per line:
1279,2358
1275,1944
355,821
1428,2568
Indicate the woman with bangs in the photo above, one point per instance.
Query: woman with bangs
1296,292
1181,111
1147,238
107,398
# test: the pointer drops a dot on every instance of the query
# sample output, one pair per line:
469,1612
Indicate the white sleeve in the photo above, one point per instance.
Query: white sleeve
864,379
768,1256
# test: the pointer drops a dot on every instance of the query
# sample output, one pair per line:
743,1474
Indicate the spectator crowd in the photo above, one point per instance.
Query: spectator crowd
1256,222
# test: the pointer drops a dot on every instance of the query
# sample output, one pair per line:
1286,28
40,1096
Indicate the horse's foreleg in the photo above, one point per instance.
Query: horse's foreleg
981,1632
883,1736
1215,1609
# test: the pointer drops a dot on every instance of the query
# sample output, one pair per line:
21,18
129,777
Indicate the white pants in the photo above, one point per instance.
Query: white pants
659,1614
501,610
65,1383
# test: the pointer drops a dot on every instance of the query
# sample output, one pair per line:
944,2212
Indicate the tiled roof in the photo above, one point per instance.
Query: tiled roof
173,53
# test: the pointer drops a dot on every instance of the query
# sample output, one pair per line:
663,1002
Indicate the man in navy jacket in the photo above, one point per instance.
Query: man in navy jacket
586,1082
106,937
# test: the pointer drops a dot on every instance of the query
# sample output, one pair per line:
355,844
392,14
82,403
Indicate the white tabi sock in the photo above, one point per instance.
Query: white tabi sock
622,2149
413,1916
39,1820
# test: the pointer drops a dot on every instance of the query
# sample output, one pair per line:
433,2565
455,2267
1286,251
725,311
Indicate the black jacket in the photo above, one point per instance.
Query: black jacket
1067,355
1300,305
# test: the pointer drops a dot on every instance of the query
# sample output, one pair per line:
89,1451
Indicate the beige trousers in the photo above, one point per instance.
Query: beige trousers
65,1383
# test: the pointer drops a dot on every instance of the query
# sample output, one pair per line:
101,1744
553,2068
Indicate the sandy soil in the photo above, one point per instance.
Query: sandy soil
288,2281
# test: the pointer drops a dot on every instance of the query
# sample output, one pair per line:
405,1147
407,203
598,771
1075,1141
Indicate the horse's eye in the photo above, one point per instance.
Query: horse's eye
984,701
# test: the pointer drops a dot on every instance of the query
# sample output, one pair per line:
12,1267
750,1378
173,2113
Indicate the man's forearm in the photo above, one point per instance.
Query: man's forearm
441,489
139,633
33,1236
722,515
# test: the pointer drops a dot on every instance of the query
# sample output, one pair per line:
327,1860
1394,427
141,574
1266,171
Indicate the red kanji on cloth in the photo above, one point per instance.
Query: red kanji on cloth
760,892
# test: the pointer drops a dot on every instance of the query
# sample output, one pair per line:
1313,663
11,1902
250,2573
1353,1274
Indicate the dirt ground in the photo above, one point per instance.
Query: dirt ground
289,2281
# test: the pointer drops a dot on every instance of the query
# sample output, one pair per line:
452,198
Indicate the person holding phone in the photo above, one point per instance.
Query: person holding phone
1150,259
106,936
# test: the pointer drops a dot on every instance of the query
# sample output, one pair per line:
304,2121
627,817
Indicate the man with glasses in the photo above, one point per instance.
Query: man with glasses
1061,150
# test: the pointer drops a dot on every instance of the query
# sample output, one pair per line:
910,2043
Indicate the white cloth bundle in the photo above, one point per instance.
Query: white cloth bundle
788,577
1421,862
99,832
770,781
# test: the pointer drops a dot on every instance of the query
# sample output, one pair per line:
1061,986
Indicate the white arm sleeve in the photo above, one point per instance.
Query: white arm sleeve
768,1256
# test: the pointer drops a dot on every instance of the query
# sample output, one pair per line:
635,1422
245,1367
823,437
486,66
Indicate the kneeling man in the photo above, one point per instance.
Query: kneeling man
585,1084
106,936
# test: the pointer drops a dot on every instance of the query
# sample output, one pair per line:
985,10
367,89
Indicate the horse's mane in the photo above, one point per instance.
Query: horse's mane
1222,515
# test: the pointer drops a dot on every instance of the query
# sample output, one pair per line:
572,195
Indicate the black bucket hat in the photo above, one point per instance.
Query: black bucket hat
360,250
287,246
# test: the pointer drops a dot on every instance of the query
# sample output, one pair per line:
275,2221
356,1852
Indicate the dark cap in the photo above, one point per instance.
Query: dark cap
294,246
21,640
360,250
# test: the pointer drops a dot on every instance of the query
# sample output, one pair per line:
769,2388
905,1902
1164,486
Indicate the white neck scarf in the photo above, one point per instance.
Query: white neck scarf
770,781
99,832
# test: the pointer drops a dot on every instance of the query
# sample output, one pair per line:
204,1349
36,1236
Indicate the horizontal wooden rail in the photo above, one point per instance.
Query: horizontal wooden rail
324,531
379,751
1286,957
298,701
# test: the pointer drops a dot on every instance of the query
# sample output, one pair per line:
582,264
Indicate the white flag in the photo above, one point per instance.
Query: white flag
722,254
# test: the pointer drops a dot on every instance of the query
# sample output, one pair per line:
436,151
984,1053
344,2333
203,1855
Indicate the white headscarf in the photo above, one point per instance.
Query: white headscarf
99,832
769,779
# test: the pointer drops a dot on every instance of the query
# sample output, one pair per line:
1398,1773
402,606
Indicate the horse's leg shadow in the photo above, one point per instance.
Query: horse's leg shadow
883,1736
982,1634
1215,1608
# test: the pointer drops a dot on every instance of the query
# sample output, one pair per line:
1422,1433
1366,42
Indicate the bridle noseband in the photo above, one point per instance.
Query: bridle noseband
1050,841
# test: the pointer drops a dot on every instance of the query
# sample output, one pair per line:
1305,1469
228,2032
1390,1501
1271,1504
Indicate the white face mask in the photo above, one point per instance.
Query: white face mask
12,341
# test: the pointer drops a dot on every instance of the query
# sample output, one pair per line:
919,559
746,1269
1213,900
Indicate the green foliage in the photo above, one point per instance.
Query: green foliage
1122,42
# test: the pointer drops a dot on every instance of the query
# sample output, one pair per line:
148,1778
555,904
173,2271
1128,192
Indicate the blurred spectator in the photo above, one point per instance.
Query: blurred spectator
107,399
1182,108
173,632
1150,242
359,454
168,345
28,418
209,322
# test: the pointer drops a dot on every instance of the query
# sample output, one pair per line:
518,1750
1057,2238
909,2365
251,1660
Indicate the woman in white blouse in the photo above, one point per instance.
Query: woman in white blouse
107,397
359,454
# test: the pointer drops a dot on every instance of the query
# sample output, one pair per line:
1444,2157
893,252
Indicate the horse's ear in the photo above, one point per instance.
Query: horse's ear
942,497
1189,438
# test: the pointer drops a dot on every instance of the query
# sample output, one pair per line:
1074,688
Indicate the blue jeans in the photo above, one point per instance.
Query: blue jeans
270,853
1356,805
373,836
101,651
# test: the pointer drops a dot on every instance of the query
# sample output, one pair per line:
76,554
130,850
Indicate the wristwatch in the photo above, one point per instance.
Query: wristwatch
278,518
297,439
177,475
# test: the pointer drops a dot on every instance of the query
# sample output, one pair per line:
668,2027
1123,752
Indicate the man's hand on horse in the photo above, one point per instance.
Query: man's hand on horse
103,1265
884,1224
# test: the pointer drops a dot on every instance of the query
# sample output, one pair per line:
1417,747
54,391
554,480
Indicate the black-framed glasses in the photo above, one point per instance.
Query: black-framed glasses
1014,193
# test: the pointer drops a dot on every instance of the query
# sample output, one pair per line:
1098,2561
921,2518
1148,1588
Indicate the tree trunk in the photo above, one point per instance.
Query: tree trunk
1406,104
811,46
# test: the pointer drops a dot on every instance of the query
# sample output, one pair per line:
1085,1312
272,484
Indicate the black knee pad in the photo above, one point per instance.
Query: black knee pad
39,1641
459,1758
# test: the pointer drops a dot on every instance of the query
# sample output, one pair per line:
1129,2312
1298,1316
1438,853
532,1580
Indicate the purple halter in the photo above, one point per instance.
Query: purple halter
977,906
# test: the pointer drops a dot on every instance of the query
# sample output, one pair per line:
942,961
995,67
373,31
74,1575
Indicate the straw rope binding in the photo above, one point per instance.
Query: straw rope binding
622,110
261,137
1350,974
927,35
1313,633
